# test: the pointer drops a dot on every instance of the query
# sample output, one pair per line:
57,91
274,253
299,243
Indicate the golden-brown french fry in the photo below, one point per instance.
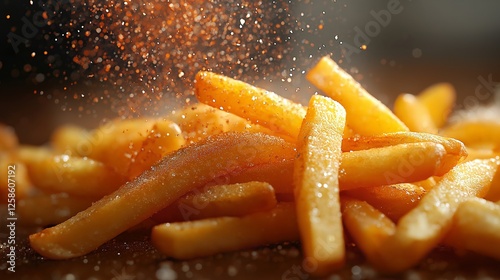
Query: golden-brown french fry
427,224
392,200
50,209
455,150
439,100
367,226
175,175
254,104
396,164
475,134
414,114
199,121
187,240
71,140
476,227
78,176
233,200
494,191
14,180
317,184
363,110
8,138
163,138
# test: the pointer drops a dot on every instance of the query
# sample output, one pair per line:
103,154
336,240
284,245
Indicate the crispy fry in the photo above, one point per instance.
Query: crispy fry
254,104
16,186
476,226
426,225
71,140
187,240
221,200
392,200
363,110
439,100
157,188
82,177
400,163
8,138
475,134
199,121
414,114
368,226
163,138
317,184
50,209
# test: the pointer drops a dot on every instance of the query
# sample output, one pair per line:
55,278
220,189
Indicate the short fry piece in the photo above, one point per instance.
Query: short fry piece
476,227
368,226
188,240
396,164
426,225
221,200
254,104
157,188
476,134
71,140
414,114
363,110
317,184
50,209
392,200
439,100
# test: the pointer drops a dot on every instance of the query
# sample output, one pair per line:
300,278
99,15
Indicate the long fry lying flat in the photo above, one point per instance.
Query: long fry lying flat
157,188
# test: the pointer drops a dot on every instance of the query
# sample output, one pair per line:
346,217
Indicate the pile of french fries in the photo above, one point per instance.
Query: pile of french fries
246,167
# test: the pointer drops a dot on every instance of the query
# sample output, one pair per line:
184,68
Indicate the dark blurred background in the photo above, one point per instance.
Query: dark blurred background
52,68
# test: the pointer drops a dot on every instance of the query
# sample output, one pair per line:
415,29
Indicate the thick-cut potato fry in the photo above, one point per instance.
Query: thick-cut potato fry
50,209
71,140
317,184
198,121
414,114
392,200
221,200
8,138
476,227
439,100
254,104
365,114
368,226
427,224
455,150
187,240
475,134
175,175
163,138
396,164
78,176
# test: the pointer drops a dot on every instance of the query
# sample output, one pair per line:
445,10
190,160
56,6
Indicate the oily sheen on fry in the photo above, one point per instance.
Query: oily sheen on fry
158,187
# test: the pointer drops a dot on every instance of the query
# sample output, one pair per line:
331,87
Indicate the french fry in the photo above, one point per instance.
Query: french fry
363,110
317,184
427,224
8,138
221,200
83,177
71,140
50,209
439,100
175,175
475,134
163,138
400,163
476,226
414,114
199,121
254,104
367,226
16,186
392,200
188,240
